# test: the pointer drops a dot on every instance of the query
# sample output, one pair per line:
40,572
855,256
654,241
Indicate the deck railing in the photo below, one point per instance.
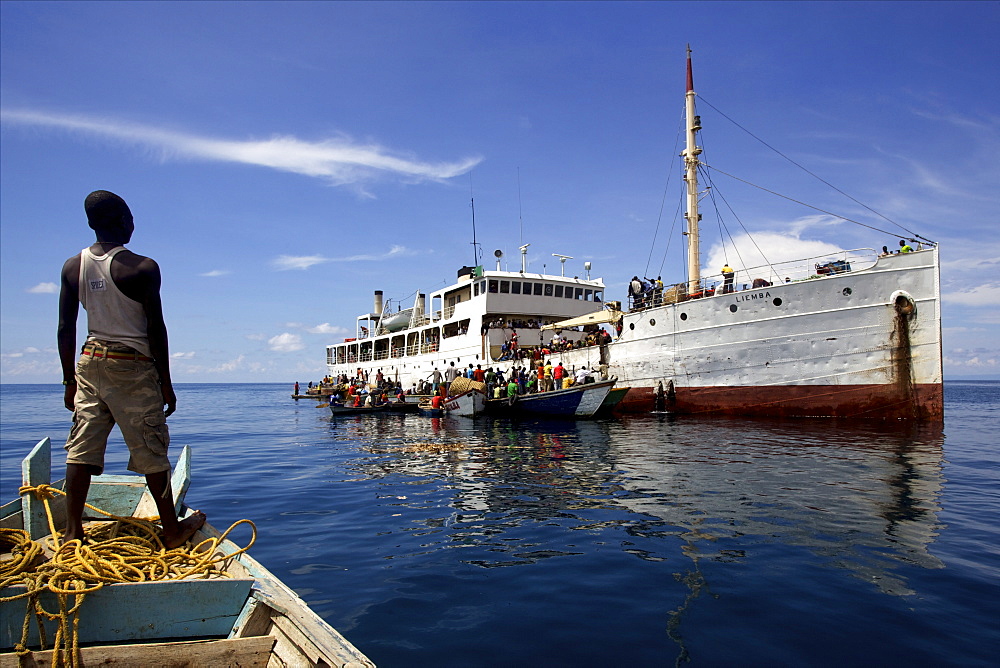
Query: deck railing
762,276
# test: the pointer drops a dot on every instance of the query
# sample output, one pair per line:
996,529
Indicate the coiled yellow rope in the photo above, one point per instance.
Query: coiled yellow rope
125,549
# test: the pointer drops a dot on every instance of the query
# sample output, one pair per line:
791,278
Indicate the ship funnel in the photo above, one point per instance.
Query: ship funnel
421,304
378,301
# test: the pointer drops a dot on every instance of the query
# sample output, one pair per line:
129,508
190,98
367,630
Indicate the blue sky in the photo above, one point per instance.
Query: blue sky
285,160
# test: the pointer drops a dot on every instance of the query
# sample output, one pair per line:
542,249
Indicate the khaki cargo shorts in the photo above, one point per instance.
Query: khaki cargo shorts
126,392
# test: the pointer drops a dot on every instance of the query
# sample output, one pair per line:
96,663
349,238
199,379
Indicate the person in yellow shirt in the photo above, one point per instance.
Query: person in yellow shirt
727,278
548,375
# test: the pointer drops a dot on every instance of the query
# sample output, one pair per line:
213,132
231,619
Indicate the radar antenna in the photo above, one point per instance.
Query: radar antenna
562,262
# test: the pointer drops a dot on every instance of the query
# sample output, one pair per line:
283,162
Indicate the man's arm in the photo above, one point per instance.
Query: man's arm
69,308
156,330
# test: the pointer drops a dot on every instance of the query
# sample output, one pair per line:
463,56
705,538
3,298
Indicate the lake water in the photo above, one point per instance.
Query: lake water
640,541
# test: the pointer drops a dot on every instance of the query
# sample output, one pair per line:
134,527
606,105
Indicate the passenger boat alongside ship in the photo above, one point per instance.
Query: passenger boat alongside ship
851,334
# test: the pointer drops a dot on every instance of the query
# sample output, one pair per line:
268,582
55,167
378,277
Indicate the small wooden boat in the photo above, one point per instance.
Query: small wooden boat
467,398
249,618
341,410
578,401
402,407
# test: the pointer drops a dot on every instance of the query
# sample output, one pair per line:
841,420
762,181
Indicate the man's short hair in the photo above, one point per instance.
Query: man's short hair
104,207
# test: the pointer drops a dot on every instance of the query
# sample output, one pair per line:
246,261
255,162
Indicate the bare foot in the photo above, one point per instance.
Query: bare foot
71,535
185,529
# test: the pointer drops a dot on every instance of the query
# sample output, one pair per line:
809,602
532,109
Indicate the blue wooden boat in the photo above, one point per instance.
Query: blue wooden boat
578,401
250,618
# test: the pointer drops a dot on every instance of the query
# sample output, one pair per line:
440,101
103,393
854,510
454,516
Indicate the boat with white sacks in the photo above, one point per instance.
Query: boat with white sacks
854,333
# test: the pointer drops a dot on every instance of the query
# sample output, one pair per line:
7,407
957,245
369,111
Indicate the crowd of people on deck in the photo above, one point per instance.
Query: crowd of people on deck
511,350
535,376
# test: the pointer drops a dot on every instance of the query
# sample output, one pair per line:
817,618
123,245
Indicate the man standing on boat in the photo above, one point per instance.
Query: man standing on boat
123,373
727,278
450,374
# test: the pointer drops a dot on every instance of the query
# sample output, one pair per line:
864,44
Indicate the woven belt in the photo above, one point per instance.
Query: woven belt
95,350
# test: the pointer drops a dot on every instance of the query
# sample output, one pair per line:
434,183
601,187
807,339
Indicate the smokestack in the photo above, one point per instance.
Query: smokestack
378,301
422,303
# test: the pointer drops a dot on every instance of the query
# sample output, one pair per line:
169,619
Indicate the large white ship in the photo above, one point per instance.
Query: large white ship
851,334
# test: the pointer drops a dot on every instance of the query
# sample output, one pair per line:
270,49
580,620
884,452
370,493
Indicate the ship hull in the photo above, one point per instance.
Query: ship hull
789,401
860,344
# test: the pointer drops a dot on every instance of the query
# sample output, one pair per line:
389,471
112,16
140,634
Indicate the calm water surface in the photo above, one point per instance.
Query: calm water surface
646,541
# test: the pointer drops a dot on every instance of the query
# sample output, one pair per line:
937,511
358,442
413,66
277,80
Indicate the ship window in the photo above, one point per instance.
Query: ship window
732,308
505,287
569,292
515,287
559,291
587,295
684,316
538,289
847,292
631,325
652,322
598,296
493,285
777,301
475,290
579,293
548,289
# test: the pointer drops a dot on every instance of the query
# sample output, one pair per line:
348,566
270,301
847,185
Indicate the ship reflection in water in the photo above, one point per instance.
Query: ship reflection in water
717,500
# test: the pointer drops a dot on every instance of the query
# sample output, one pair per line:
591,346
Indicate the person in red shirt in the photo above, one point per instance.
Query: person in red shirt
479,375
557,376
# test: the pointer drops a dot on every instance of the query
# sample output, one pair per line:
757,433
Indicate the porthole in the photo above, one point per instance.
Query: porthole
847,292
684,316
631,325
732,308
652,322
777,301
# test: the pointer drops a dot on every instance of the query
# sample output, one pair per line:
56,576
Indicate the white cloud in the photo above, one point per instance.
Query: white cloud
182,356
776,248
44,289
339,160
231,365
216,272
980,295
285,343
288,262
326,328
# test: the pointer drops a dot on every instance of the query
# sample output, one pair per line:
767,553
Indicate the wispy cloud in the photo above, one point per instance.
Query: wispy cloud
182,356
216,272
288,262
987,295
340,160
326,328
44,289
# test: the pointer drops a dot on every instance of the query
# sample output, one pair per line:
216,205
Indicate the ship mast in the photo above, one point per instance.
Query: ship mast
691,163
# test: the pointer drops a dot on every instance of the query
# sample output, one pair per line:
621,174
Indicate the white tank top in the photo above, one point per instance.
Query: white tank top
111,316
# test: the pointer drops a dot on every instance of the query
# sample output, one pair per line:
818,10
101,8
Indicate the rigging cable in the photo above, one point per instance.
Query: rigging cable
817,177
815,208
666,187
715,190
